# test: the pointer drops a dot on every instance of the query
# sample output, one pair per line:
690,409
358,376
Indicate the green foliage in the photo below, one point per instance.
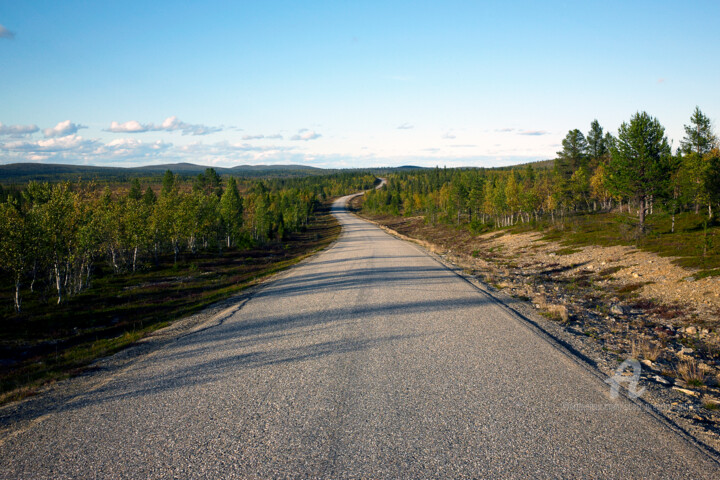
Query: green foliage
231,210
597,149
699,137
641,177
573,155
56,236
640,162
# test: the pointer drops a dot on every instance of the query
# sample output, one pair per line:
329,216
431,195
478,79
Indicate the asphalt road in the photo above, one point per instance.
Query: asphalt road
371,360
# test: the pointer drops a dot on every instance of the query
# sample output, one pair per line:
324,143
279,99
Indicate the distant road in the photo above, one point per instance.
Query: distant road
371,360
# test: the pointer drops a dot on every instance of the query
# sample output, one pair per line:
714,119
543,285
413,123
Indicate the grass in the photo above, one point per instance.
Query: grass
48,342
689,370
567,251
692,246
629,288
648,349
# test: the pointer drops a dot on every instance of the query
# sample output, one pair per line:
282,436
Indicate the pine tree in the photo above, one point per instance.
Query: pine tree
596,142
640,161
168,183
149,198
135,191
699,136
573,155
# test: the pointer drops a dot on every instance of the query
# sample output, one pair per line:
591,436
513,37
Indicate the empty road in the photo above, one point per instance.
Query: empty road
371,360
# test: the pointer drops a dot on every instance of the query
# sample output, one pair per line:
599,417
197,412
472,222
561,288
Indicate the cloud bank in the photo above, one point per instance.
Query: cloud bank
17,130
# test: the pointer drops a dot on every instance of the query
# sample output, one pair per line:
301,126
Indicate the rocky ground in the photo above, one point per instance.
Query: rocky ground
608,304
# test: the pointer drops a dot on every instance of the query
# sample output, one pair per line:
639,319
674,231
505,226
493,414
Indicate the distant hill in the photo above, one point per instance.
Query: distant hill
25,172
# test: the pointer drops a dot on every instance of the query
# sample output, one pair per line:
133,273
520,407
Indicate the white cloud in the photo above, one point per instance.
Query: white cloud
62,129
304,135
405,126
533,133
170,124
276,136
448,136
17,130
132,126
5,33
131,148
63,144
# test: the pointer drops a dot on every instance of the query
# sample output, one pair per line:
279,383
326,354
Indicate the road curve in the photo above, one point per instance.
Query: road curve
371,360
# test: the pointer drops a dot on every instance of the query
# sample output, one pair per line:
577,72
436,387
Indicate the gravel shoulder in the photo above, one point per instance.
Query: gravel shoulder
606,304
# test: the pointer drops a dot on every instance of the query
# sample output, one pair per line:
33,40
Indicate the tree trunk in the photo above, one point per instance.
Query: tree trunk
34,274
641,213
80,277
17,294
57,283
114,259
135,257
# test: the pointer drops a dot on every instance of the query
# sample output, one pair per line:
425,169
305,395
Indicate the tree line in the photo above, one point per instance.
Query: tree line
635,172
54,235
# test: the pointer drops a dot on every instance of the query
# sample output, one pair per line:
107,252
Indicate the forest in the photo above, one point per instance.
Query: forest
635,173
55,236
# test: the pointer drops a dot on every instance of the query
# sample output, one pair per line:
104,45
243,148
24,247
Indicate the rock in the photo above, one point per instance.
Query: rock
636,275
647,363
660,379
686,391
616,309
691,330
689,279
685,351
589,267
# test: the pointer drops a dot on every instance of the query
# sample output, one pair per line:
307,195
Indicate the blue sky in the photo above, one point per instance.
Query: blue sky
340,83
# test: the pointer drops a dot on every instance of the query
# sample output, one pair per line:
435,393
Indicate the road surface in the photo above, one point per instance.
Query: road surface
371,360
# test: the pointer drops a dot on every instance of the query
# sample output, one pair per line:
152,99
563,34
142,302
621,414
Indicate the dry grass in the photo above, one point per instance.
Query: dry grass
650,350
689,370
